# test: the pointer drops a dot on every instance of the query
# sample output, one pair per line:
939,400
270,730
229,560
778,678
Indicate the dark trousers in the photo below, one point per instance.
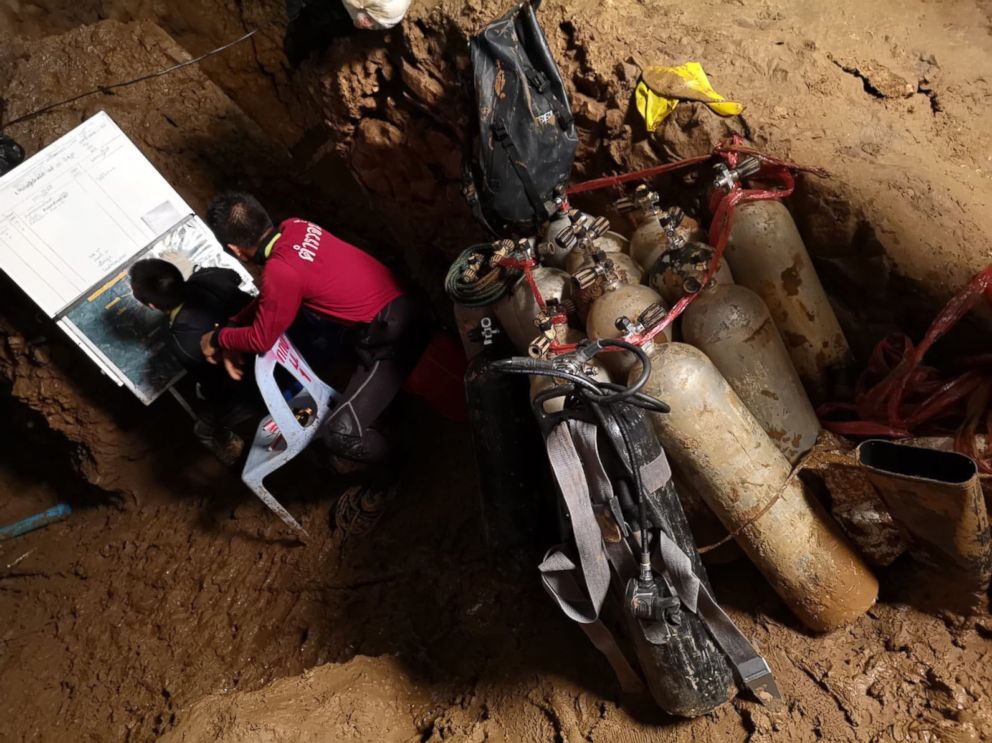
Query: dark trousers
388,349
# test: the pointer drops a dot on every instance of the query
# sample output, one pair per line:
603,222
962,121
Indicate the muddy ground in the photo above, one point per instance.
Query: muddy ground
171,603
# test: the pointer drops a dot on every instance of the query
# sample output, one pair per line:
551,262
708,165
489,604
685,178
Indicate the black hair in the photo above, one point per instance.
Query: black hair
238,219
157,282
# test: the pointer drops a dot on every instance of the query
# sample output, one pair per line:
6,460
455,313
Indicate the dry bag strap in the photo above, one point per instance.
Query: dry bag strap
502,135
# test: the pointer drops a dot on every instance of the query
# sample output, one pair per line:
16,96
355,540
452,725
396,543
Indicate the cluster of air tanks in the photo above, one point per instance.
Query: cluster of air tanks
737,367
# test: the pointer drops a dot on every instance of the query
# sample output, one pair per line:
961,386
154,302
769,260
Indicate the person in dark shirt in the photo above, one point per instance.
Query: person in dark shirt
194,307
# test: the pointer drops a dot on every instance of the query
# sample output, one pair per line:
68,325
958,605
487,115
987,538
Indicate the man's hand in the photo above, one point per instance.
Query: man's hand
234,364
210,352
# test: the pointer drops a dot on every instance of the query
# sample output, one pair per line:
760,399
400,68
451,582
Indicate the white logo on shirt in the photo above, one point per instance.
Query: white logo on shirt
311,241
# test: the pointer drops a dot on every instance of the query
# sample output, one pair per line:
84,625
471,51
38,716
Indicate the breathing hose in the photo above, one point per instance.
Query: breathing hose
486,288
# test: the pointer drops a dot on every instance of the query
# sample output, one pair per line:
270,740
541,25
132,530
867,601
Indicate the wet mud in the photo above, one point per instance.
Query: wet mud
172,603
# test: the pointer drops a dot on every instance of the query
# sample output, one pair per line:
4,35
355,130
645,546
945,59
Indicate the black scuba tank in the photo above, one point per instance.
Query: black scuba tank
685,671
509,454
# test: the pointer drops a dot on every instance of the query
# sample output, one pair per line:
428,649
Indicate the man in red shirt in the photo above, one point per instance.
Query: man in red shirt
307,268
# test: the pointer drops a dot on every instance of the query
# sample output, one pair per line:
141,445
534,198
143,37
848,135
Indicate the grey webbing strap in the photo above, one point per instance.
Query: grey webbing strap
656,474
601,492
570,474
751,667
559,573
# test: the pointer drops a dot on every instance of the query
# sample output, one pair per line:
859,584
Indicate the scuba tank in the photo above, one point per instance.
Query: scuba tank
559,239
593,369
518,310
655,227
608,315
636,560
767,256
593,235
731,325
680,270
475,283
627,273
719,446
508,453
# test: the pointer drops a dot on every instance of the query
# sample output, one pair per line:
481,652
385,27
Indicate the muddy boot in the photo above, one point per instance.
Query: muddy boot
360,507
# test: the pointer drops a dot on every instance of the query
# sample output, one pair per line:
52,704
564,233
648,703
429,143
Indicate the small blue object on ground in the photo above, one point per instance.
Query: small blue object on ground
53,514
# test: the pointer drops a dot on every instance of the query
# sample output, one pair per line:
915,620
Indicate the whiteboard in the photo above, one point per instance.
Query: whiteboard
80,209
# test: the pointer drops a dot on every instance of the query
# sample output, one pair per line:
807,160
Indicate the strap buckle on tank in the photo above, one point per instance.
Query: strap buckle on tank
757,676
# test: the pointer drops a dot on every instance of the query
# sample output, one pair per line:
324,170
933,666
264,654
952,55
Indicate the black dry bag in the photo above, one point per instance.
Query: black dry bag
526,139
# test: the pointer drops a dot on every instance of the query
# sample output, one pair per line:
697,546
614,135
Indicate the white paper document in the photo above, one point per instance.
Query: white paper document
79,209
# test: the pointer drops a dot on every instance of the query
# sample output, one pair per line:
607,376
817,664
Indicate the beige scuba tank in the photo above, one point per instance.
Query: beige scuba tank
731,325
540,383
593,235
518,311
680,270
611,243
616,312
655,227
475,284
558,239
626,270
720,448
767,256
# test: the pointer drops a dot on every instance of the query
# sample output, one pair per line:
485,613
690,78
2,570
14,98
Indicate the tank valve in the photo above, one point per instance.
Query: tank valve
670,224
728,178
587,277
646,602
628,327
651,315
643,199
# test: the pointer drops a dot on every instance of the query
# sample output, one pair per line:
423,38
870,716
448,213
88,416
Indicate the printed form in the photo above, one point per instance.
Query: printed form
78,210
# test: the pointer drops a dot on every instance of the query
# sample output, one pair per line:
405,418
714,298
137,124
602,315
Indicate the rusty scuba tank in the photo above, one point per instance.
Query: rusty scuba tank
768,256
731,325
592,236
680,270
735,467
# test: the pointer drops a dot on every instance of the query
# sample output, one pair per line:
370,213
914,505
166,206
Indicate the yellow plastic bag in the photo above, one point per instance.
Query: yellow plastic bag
661,89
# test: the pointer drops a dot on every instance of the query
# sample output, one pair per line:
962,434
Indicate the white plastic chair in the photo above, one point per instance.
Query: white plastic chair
280,436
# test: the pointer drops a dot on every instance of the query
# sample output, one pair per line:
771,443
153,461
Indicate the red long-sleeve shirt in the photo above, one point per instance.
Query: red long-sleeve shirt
309,267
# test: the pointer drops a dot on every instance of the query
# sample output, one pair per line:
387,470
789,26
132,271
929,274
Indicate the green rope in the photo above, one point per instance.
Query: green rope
487,288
